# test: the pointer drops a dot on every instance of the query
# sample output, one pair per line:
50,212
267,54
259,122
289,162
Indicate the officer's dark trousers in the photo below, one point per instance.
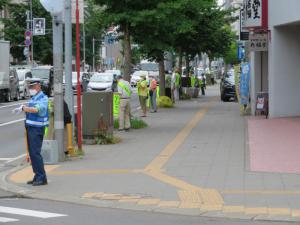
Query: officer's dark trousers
35,136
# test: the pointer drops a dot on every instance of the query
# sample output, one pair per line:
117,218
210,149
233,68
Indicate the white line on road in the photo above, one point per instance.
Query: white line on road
16,158
11,122
7,220
31,213
8,106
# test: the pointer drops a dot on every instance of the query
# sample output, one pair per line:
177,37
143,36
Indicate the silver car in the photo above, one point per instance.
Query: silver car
23,74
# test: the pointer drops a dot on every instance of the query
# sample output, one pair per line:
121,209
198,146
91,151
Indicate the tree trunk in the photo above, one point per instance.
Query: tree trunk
162,86
127,53
180,62
210,61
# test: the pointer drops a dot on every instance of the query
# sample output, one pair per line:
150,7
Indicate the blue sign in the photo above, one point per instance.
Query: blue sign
245,83
241,51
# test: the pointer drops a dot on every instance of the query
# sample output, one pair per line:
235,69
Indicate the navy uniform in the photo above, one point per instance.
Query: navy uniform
36,120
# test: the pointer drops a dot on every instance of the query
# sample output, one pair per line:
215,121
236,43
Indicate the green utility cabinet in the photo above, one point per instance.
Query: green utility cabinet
97,114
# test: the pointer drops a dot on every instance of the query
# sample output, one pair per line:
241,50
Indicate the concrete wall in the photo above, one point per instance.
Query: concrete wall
283,12
284,71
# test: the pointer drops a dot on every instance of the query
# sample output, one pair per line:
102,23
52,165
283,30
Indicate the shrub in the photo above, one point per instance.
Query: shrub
165,102
135,123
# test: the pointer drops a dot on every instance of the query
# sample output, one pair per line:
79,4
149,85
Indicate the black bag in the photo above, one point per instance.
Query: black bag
151,93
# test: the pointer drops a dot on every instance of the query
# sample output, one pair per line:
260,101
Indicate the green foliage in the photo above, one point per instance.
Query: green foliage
165,102
15,27
232,57
135,124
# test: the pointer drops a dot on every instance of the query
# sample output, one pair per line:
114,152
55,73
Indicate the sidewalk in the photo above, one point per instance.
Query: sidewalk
193,159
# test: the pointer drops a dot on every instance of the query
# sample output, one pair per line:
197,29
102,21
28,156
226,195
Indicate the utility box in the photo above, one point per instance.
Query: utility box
50,152
97,114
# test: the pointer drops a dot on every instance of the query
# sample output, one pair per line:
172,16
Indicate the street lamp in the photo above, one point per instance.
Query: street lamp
56,7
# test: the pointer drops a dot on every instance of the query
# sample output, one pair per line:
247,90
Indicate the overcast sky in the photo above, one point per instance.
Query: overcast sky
220,2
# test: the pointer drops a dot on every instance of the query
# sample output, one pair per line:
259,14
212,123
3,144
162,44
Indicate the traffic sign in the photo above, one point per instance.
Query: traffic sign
27,42
28,33
26,51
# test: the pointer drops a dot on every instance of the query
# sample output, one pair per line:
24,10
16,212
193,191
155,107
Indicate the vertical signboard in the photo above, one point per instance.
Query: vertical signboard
255,14
245,84
39,26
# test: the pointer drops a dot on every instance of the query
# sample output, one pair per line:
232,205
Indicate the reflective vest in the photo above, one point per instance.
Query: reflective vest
177,80
40,119
125,88
142,91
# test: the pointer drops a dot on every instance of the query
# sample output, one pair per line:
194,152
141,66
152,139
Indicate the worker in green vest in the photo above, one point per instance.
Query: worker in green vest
142,86
177,84
124,90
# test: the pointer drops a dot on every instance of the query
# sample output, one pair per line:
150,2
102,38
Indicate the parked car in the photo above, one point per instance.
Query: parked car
136,77
45,73
101,82
227,86
14,90
23,74
116,72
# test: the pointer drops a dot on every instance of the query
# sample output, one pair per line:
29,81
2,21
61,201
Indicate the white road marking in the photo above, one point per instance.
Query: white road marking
31,213
7,220
8,106
11,122
16,158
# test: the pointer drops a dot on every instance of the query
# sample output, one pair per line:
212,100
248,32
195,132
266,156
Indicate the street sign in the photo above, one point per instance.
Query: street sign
255,14
244,34
258,42
27,33
27,42
26,51
39,26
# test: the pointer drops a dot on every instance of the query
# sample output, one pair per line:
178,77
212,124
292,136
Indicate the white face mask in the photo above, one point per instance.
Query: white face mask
32,92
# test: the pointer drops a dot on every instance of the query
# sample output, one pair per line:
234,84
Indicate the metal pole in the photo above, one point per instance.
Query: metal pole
68,58
93,54
28,28
83,46
31,18
58,87
79,137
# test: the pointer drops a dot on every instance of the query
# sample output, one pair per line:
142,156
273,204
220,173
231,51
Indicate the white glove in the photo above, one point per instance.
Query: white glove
18,110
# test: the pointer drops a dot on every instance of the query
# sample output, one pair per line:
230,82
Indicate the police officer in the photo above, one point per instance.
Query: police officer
36,121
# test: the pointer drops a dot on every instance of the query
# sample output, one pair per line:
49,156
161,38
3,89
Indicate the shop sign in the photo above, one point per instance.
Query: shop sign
255,14
258,42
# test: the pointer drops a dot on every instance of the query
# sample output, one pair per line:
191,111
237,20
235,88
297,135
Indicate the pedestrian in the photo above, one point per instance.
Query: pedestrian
173,86
168,85
153,94
124,90
177,84
143,94
202,84
36,120
67,120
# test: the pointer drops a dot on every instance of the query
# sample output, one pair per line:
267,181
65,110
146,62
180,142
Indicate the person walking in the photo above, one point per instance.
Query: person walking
202,84
36,120
143,94
177,84
124,90
153,94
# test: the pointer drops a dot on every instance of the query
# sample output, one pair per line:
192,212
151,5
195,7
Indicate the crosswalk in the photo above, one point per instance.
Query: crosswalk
27,213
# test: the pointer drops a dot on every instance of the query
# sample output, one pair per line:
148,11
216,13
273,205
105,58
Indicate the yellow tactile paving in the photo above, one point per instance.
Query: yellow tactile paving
93,195
261,192
26,174
190,205
111,197
133,200
211,197
256,210
280,211
233,209
169,204
148,202
296,213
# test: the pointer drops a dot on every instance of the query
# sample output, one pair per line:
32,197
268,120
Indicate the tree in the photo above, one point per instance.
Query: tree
15,27
122,13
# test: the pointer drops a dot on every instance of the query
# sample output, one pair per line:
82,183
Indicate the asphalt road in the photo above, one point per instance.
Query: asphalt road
30,212
12,129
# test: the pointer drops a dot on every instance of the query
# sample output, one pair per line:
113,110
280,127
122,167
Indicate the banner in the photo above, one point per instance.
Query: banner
245,84
116,104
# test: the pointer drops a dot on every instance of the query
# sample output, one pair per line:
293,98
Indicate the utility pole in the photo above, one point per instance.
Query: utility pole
68,58
93,54
84,46
28,28
31,20
58,87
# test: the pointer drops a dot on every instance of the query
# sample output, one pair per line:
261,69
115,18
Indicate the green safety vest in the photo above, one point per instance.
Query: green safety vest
193,81
177,80
125,88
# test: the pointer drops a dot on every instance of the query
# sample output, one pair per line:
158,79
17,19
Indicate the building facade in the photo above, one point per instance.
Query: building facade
277,71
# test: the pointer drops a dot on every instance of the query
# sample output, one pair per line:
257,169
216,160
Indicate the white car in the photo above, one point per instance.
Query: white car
84,79
116,72
136,77
24,74
101,82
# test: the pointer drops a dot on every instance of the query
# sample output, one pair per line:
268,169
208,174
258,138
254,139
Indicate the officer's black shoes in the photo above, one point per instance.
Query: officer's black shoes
39,183
30,182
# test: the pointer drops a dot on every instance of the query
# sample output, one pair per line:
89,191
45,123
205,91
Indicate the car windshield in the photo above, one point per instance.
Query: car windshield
40,73
102,78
